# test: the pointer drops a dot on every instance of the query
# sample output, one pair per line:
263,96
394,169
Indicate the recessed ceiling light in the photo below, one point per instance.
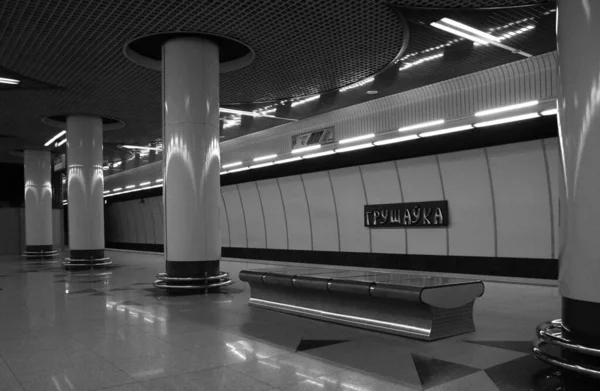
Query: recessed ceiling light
506,120
372,92
56,137
421,125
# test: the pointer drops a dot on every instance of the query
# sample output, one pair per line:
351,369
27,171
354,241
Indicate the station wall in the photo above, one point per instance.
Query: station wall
503,212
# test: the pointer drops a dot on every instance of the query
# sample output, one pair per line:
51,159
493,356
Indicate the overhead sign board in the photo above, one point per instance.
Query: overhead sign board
322,136
60,162
428,214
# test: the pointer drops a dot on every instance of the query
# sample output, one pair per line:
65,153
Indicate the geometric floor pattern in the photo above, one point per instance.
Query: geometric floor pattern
107,329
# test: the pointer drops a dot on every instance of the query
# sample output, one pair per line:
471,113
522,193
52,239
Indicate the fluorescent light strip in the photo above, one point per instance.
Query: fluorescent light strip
303,101
267,157
421,125
240,112
144,184
358,138
117,189
396,140
159,180
129,187
106,191
354,147
6,80
232,164
239,169
470,29
318,154
61,142
407,328
446,131
56,137
506,108
262,165
305,149
506,120
293,159
141,147
223,172
549,112
459,33
358,84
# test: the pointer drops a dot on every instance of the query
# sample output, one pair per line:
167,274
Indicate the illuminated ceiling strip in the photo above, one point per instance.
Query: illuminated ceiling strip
549,112
303,101
421,125
117,189
506,108
396,140
224,172
141,147
106,191
262,165
239,169
358,84
305,149
144,184
266,157
56,137
232,164
506,120
462,34
470,29
61,142
129,187
240,112
318,154
446,131
293,159
354,147
7,80
358,138
158,180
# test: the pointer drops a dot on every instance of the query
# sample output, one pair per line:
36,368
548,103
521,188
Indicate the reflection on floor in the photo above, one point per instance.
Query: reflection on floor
110,329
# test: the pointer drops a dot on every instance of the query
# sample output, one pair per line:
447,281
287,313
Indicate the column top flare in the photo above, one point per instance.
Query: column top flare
60,121
147,50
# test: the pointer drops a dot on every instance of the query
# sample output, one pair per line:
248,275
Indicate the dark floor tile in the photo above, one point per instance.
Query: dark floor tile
307,344
525,373
433,372
517,346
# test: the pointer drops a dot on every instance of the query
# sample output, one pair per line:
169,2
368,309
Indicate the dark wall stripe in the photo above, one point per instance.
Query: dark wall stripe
489,169
312,245
439,167
550,203
402,200
337,218
362,181
226,217
237,188
287,230
492,266
262,210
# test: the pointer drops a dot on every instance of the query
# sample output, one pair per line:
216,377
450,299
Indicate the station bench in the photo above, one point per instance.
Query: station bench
421,307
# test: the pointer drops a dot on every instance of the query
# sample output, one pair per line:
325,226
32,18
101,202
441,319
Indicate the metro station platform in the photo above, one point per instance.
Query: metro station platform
111,329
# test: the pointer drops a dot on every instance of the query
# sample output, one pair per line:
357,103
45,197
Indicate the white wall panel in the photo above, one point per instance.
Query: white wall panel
471,210
382,187
156,206
521,198
420,180
296,210
138,218
147,220
553,159
349,194
253,213
224,223
322,211
235,214
270,194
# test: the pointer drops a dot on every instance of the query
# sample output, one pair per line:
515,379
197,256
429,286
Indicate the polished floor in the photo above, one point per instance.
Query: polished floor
111,329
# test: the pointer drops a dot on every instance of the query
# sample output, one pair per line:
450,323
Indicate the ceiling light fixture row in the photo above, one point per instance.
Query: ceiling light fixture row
8,80
483,113
403,129
357,84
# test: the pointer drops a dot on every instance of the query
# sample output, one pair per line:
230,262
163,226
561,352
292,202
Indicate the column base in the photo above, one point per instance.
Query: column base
192,276
44,254
554,346
86,259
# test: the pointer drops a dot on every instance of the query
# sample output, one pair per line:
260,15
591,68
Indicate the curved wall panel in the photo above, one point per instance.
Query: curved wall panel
468,190
140,224
148,221
521,199
224,223
253,215
321,205
349,194
275,218
553,164
420,180
235,216
296,211
383,187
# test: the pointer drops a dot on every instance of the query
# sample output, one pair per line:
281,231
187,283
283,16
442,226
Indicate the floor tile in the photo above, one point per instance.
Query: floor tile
221,379
478,381
433,372
50,360
348,381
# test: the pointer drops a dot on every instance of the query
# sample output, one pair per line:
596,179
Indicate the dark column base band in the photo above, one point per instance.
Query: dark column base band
192,269
39,248
86,254
580,320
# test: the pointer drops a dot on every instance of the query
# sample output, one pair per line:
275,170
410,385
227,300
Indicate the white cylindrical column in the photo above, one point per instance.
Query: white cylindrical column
191,157
85,186
579,119
38,203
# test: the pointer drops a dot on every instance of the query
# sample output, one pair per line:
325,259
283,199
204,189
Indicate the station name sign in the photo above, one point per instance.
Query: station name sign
410,214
